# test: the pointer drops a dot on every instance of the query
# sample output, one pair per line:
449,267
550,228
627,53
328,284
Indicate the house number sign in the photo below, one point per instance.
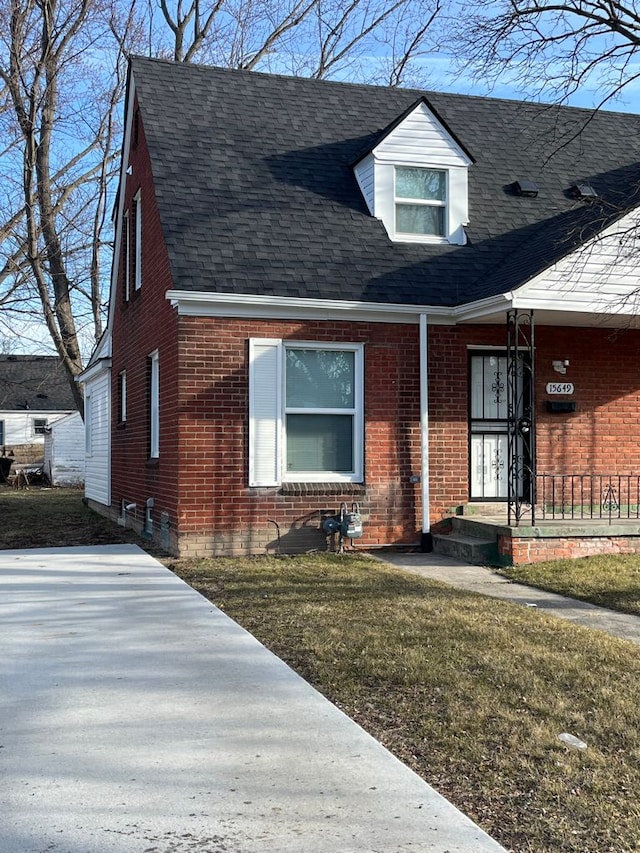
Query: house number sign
560,388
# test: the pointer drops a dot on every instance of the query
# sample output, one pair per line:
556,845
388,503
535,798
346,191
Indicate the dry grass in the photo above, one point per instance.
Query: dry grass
471,692
610,581
56,518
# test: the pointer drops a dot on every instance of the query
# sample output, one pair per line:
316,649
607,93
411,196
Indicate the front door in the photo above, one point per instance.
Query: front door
488,427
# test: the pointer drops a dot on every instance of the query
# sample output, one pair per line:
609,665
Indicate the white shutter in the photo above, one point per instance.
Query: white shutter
265,407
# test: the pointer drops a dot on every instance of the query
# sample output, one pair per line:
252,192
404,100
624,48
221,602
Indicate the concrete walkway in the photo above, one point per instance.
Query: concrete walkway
135,716
487,582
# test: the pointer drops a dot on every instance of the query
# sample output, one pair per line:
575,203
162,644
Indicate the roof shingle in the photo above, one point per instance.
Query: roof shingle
255,187
36,382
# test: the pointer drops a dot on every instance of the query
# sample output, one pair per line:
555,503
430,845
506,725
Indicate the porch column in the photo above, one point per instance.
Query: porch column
426,538
521,438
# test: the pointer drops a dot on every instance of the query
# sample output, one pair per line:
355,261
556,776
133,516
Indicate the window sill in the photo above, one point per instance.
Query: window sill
429,239
303,489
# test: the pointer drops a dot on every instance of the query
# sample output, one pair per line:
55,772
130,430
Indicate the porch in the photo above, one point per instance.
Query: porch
573,516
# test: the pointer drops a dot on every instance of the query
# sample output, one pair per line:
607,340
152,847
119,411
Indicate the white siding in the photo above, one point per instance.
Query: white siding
97,485
601,277
364,172
64,451
18,426
420,140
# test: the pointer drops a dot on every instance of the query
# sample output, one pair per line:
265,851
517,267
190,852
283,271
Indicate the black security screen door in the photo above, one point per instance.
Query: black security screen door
488,426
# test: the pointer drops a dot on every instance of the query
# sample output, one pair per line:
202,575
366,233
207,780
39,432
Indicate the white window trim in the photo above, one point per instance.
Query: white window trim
408,236
88,426
122,401
137,280
154,406
126,238
267,414
357,413
42,427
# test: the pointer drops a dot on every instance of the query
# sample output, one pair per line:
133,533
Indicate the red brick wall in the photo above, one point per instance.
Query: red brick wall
602,436
143,324
219,511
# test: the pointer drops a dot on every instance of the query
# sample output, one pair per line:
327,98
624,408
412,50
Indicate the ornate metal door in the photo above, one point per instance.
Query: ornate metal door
488,427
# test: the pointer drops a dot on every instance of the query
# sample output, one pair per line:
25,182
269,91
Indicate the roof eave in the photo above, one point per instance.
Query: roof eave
227,304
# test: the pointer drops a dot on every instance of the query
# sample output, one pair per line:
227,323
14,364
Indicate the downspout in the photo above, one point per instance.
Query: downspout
426,538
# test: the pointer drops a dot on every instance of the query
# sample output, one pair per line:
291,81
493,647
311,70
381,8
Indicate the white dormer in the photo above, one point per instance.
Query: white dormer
415,180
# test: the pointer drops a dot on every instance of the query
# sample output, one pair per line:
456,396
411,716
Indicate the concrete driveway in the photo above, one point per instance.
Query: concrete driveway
138,718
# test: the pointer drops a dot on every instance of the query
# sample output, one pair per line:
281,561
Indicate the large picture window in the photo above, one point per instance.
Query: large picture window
320,410
421,201
306,412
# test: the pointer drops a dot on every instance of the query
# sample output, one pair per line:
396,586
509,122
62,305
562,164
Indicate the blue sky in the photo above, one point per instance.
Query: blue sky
440,75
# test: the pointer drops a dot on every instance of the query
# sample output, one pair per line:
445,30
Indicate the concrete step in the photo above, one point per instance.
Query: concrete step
471,549
487,508
481,528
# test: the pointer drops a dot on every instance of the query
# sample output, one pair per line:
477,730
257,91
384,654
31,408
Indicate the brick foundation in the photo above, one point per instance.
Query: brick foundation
516,551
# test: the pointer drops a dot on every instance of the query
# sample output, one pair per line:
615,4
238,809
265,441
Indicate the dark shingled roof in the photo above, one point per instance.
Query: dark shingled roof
256,191
36,382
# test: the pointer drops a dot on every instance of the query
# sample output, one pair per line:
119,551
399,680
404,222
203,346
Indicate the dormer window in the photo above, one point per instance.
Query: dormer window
421,201
415,179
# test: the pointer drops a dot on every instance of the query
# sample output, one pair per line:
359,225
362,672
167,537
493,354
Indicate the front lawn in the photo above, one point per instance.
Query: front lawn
470,692
611,581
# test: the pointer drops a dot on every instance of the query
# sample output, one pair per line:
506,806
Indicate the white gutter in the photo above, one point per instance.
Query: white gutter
203,304
425,539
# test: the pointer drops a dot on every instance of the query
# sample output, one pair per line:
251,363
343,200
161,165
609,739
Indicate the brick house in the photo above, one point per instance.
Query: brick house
327,295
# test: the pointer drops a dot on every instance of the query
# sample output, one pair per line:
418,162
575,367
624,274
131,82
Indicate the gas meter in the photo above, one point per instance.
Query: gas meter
351,522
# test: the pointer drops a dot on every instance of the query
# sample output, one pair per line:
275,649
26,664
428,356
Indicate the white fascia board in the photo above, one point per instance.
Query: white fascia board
200,304
117,238
95,369
484,307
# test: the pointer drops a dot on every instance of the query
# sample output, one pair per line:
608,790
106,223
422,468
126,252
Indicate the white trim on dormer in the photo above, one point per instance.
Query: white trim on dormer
419,140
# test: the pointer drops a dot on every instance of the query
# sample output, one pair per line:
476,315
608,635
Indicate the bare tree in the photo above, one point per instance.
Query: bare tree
555,48
57,117
62,77
313,38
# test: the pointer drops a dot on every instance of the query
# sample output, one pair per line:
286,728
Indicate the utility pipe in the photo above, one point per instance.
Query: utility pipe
426,538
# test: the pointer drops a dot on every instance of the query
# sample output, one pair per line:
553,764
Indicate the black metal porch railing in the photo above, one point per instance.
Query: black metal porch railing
597,497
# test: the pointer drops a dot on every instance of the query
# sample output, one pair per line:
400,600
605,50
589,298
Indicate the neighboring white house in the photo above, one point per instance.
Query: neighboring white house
96,381
64,451
34,393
